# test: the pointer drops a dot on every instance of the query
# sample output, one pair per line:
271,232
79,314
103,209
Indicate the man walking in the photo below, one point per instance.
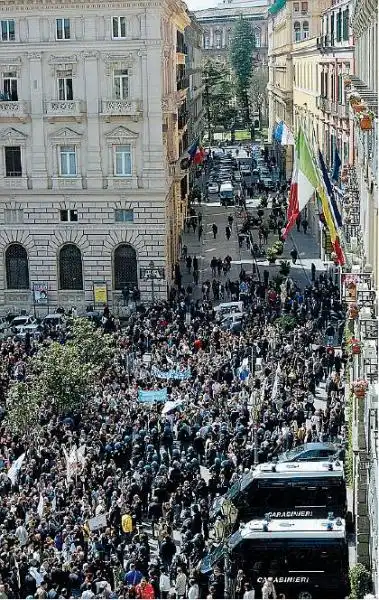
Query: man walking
214,230
200,231
228,232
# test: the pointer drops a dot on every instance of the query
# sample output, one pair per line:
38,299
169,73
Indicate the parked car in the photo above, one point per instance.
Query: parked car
34,330
312,451
213,187
53,319
245,169
21,321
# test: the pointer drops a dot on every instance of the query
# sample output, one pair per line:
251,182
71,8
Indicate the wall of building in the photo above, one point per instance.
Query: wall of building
96,121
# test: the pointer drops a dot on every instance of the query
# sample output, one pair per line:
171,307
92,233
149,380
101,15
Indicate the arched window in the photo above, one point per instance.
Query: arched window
257,37
218,40
125,267
17,267
70,268
305,30
297,31
207,41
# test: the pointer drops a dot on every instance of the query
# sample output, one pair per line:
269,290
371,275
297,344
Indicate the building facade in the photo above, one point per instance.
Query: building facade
360,210
88,132
290,23
218,23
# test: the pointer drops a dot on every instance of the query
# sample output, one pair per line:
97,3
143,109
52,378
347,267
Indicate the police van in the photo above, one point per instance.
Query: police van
305,558
303,490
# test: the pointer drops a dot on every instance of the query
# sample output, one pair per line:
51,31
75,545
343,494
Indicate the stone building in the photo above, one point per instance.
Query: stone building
89,137
218,23
290,23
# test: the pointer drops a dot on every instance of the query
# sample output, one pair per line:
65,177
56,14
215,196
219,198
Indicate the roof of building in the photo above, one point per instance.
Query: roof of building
233,8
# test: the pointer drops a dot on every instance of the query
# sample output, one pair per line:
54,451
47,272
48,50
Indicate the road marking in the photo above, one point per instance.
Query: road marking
210,250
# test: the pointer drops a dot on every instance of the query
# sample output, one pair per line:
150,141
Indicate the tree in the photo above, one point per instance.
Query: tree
241,58
218,95
258,90
60,376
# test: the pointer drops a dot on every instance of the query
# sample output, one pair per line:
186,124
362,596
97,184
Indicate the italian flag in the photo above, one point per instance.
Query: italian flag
304,182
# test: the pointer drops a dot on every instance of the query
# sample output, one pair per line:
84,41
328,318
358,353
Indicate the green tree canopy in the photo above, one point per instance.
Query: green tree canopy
219,94
60,375
241,59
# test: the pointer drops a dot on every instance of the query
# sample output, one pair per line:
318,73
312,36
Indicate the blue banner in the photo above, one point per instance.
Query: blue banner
171,374
151,396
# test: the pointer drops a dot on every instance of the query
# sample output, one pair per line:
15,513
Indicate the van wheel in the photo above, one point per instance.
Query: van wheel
305,594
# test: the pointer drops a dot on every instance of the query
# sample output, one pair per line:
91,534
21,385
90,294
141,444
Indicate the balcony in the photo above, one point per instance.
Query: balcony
121,108
343,111
14,110
182,84
64,109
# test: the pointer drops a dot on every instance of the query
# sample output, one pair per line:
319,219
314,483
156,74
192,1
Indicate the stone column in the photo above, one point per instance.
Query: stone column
211,40
37,165
91,163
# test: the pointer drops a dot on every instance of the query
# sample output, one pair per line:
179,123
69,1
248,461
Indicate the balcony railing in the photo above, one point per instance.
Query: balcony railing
64,108
182,84
129,108
17,109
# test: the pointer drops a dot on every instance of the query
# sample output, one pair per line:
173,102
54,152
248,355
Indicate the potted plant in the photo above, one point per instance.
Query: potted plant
278,246
355,345
354,99
366,120
353,311
271,255
358,107
360,581
285,267
359,387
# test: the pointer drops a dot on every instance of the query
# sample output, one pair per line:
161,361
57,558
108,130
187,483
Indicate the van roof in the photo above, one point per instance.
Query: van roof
292,528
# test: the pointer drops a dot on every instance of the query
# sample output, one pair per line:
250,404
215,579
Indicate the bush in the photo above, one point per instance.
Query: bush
360,581
286,322
285,267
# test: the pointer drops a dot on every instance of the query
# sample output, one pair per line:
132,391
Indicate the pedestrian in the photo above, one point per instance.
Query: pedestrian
196,277
214,266
164,584
313,272
194,223
240,239
189,263
199,217
219,266
195,263
214,230
180,583
298,222
304,225
200,232
228,232
294,255
230,221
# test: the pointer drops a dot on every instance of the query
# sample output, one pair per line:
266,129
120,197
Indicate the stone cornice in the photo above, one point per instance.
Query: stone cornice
37,5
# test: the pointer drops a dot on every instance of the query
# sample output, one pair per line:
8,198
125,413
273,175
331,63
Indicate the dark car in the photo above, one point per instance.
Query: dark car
313,451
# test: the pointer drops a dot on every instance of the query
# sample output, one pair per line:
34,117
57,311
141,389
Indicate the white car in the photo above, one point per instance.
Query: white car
213,188
245,169
21,321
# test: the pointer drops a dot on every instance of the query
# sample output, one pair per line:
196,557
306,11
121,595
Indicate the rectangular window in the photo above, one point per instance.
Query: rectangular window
123,215
13,215
345,25
10,86
296,7
339,26
13,161
63,29
67,162
122,161
119,27
65,87
121,84
304,8
69,216
7,31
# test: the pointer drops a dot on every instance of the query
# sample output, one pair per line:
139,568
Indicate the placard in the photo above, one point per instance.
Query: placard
40,293
100,293
97,522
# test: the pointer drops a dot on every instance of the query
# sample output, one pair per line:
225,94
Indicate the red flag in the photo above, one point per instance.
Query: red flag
338,250
293,204
199,156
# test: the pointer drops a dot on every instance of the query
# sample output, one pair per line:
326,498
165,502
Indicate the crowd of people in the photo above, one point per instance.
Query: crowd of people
113,500
147,473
